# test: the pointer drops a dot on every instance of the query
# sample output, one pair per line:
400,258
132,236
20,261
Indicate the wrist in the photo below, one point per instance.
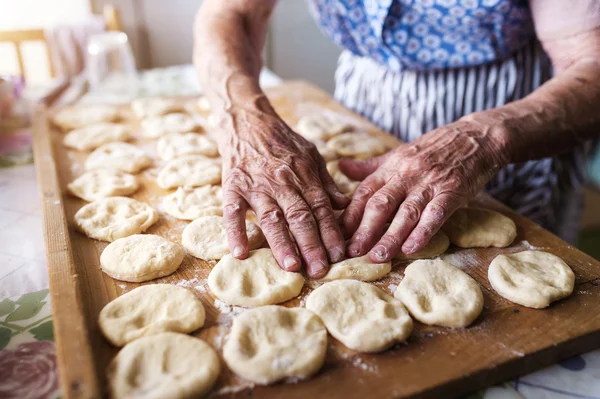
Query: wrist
493,133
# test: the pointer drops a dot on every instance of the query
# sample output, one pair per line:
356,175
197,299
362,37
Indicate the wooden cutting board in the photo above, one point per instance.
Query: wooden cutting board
507,340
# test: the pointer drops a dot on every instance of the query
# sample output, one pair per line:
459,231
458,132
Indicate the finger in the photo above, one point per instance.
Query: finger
432,219
337,198
378,210
306,233
359,170
353,214
272,222
234,219
408,216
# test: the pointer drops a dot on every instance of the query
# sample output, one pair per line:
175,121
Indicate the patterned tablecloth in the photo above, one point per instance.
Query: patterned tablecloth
27,354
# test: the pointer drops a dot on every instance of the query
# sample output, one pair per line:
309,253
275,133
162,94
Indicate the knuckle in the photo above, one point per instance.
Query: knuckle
232,209
410,211
436,212
297,213
382,202
363,192
270,217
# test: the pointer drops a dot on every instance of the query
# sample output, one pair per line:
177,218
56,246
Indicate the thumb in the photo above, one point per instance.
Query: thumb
359,170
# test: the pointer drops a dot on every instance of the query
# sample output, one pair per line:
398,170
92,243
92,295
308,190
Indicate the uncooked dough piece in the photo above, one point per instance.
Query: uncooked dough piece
203,104
438,244
206,238
360,315
531,278
91,137
360,268
192,203
118,155
357,145
343,182
149,310
190,171
82,116
478,227
168,365
176,145
140,257
270,343
103,183
154,106
321,127
255,281
327,153
157,126
115,217
438,293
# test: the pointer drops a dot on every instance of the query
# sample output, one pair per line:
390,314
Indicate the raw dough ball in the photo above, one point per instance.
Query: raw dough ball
357,145
140,257
175,145
118,155
438,244
321,127
360,268
205,238
345,185
82,116
115,217
149,310
190,171
255,281
203,104
168,365
327,153
360,315
478,227
274,342
90,137
192,203
531,278
438,293
147,107
156,126
103,183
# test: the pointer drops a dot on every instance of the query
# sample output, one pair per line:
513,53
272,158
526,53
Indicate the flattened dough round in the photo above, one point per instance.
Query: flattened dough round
343,182
190,171
270,343
360,268
479,228
438,244
149,310
117,155
140,257
531,278
154,106
205,238
91,137
321,127
103,183
327,153
192,203
115,217
360,315
168,365
438,293
82,116
176,145
357,145
255,281
157,126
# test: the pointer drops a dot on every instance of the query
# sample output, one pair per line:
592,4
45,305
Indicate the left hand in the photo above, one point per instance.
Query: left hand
422,183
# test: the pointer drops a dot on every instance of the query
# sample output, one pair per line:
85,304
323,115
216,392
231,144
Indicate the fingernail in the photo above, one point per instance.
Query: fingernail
354,249
290,262
238,251
317,269
336,254
340,195
409,247
380,252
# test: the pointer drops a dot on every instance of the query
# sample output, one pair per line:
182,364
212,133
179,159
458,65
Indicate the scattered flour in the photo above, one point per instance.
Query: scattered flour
527,245
225,309
189,283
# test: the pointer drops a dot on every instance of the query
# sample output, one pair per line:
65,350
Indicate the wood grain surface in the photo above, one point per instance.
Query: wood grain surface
506,340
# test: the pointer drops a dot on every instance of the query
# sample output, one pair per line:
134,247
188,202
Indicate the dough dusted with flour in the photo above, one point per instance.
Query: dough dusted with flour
531,278
154,106
168,365
140,257
91,137
81,116
343,182
157,126
360,315
438,293
149,310
117,155
205,238
103,183
176,145
360,268
478,227
327,153
255,281
111,218
270,343
357,145
321,127
192,203
203,104
190,171
438,244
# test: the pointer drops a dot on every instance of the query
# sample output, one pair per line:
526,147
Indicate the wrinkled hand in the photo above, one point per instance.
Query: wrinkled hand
417,186
283,178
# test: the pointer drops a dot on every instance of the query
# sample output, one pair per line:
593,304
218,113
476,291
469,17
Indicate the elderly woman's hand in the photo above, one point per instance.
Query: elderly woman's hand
417,186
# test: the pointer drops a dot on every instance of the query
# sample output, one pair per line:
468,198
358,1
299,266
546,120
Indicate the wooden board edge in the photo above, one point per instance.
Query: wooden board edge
78,379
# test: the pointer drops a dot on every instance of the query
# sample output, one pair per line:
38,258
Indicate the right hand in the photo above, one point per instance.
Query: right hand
282,177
